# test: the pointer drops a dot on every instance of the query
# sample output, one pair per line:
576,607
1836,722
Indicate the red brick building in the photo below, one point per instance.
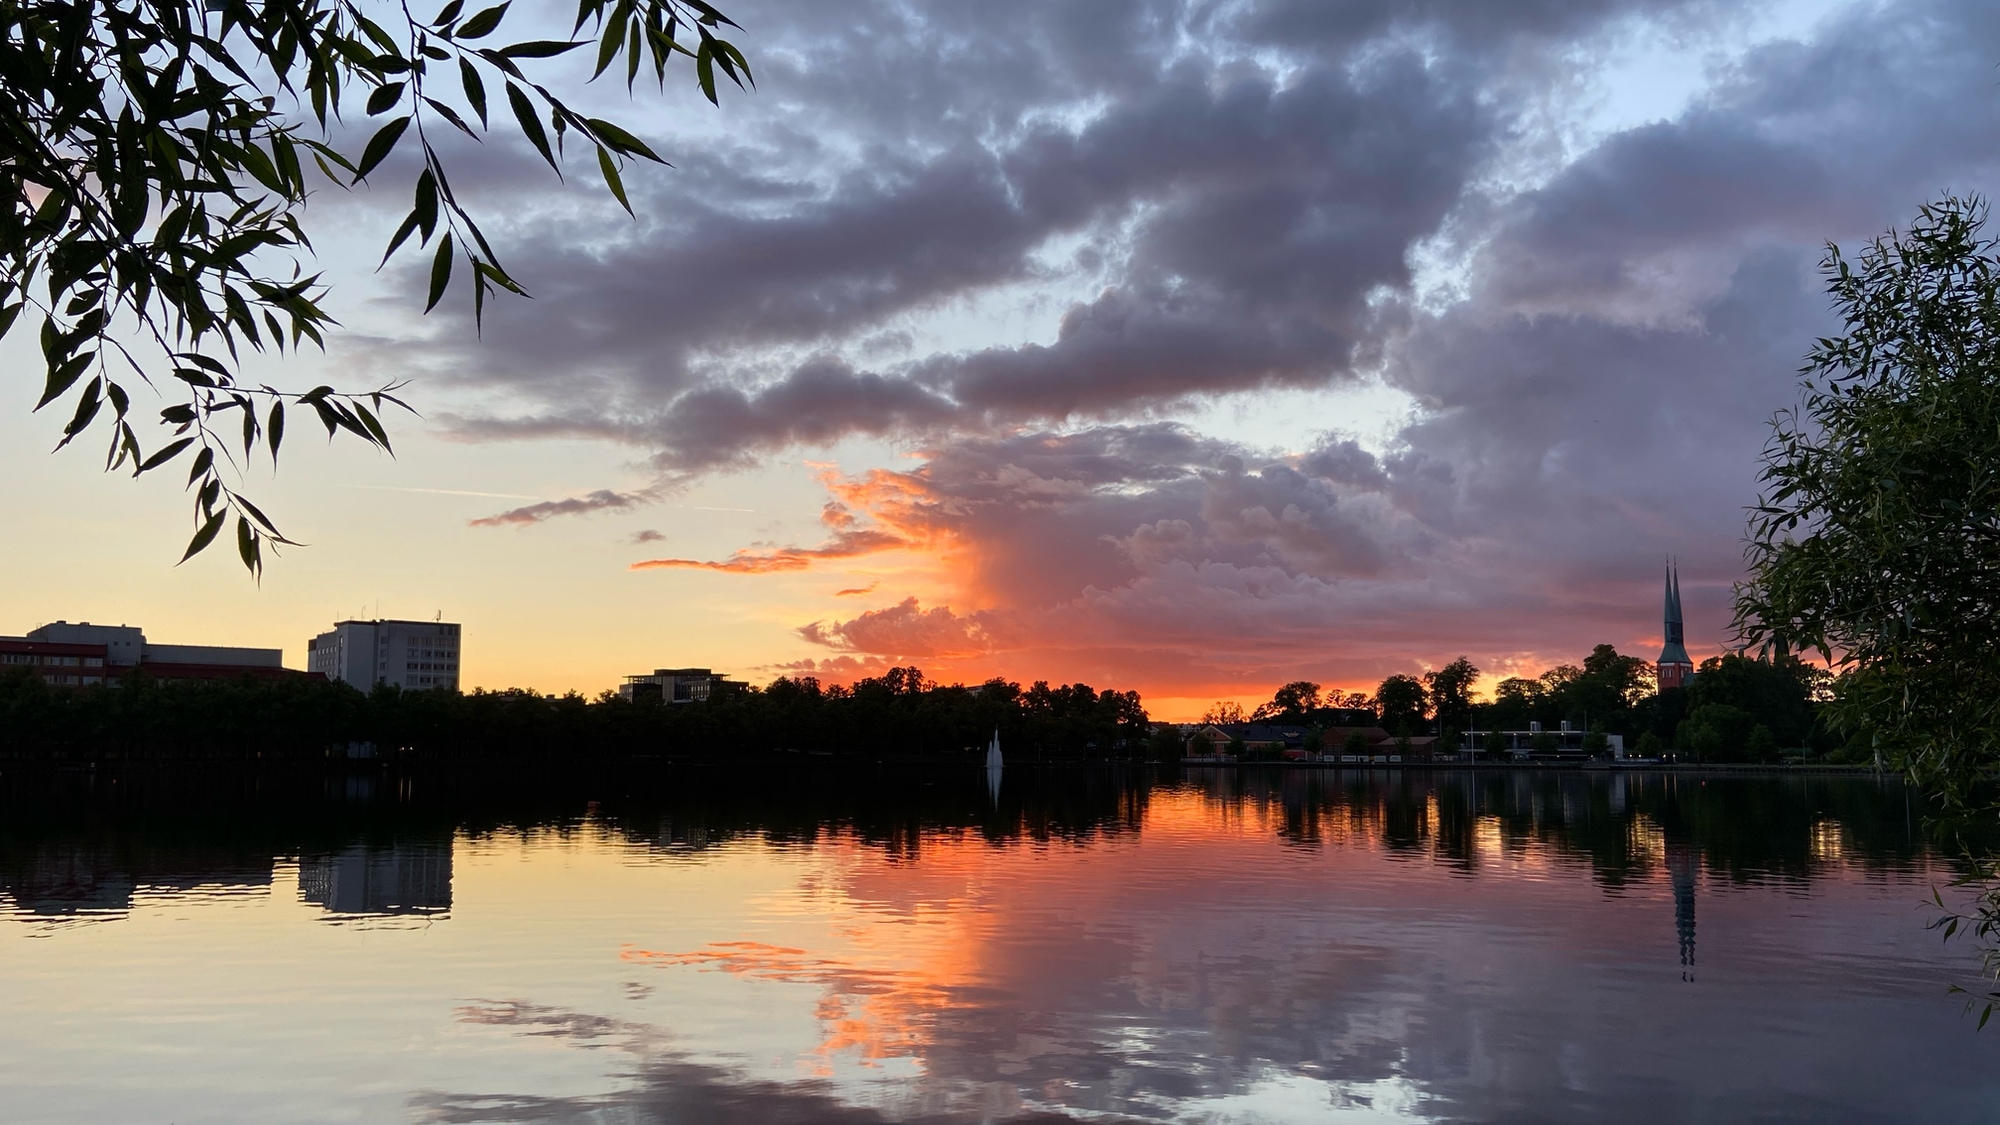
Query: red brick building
86,655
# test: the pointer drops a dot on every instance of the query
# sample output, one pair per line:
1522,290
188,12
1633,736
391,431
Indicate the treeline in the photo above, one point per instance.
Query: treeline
898,714
1737,709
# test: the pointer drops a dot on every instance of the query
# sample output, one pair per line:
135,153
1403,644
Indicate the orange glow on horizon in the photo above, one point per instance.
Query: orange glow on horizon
943,604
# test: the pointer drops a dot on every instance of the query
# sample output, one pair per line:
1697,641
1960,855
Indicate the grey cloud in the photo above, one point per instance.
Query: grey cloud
1298,520
1296,23
719,426
602,500
1246,222
1632,324
1595,400
1129,349
622,322
668,1084
1343,461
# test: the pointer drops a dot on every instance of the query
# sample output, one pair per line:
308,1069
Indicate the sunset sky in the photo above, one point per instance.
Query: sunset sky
1189,348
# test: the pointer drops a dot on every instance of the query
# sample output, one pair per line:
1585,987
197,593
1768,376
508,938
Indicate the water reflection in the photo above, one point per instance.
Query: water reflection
1684,863
906,946
57,880
364,881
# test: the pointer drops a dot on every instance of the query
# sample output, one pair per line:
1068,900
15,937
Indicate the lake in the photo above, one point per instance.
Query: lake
697,945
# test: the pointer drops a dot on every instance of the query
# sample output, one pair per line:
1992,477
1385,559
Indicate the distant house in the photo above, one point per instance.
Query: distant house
1336,744
1419,748
1336,738
1286,741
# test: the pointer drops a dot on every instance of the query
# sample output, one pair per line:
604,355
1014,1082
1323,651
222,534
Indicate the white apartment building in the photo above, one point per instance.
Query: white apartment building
412,655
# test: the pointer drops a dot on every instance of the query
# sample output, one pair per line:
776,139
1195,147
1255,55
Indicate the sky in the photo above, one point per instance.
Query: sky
1189,348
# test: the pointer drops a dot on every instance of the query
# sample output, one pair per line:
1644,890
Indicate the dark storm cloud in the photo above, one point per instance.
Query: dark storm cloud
621,322
1242,217
1230,199
719,426
1294,23
1633,323
1241,221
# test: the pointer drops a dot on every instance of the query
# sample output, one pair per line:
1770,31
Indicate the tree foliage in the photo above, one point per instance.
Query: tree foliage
900,714
1224,712
1402,702
1781,693
1877,538
1450,689
154,167
1293,703
1608,690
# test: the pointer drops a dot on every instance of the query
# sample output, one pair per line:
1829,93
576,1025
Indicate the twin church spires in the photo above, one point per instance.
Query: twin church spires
1674,669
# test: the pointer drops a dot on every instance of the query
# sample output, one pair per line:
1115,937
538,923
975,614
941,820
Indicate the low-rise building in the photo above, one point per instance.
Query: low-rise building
1564,743
124,645
1257,738
1338,740
1353,745
80,654
59,665
412,655
675,685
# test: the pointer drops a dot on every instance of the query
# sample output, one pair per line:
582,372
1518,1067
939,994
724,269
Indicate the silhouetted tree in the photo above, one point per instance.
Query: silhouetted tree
1293,703
1402,702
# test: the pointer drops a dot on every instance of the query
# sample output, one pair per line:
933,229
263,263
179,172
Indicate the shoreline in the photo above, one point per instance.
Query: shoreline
1730,768
800,764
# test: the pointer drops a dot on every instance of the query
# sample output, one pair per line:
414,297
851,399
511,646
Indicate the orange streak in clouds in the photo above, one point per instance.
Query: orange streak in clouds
845,541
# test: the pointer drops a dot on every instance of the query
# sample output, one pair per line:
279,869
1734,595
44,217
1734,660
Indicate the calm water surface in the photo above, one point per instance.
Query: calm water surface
714,946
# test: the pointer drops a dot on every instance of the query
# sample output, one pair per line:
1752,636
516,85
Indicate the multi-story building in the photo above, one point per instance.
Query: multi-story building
675,685
59,665
412,655
79,654
124,645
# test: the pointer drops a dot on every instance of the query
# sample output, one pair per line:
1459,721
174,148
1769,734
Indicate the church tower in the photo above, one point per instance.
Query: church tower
1674,668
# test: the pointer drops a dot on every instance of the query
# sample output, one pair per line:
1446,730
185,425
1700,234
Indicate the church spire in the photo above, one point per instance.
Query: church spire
1674,667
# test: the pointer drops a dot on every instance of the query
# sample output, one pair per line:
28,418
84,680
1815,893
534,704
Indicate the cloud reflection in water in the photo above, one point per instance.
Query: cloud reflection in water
721,946
1327,948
